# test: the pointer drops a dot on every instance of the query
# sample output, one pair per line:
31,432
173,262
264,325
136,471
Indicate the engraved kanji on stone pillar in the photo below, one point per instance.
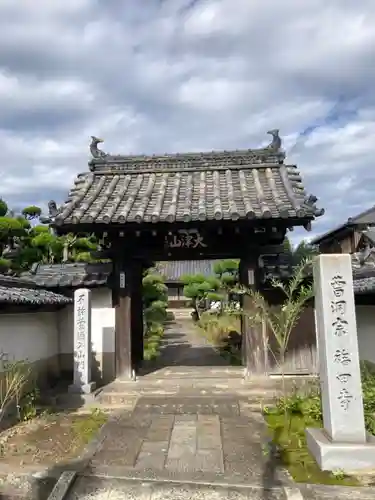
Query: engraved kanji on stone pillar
342,443
82,343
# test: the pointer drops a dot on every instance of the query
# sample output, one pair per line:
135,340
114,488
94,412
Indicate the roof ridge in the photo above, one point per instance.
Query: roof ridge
99,156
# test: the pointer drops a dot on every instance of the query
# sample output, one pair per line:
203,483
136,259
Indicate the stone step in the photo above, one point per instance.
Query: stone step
162,386
175,371
126,399
98,488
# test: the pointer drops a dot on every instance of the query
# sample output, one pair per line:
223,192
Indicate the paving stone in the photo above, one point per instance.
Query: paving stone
162,421
208,420
146,460
185,419
158,434
177,450
154,447
209,441
186,463
209,460
184,435
227,406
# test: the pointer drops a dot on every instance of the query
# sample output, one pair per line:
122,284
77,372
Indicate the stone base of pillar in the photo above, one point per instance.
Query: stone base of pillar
336,456
82,388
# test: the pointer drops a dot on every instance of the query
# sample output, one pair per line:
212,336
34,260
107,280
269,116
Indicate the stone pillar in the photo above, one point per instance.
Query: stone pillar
343,443
82,382
254,345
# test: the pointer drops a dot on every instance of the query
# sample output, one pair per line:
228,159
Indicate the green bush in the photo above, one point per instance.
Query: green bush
217,327
308,404
155,303
153,337
156,312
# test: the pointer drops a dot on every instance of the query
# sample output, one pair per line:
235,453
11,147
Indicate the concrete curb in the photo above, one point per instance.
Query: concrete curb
63,486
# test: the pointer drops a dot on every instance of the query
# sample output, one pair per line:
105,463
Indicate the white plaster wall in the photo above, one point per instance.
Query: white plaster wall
366,332
102,323
28,336
102,320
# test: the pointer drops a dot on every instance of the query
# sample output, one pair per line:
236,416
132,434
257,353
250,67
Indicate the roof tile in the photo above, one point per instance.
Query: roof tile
69,275
226,185
14,290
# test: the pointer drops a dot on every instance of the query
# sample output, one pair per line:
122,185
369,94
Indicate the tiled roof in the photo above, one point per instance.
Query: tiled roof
225,185
370,235
364,275
364,285
364,218
20,291
282,267
70,275
173,270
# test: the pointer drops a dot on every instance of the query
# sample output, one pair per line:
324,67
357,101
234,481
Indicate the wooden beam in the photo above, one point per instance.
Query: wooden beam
254,341
123,347
137,313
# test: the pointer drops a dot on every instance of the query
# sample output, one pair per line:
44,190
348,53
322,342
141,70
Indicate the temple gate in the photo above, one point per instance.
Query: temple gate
213,205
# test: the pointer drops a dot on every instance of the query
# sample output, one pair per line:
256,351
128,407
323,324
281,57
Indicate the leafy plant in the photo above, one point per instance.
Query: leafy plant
27,409
282,321
308,403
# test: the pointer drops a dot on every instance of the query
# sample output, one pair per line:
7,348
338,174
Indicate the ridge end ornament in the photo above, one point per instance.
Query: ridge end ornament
272,150
94,150
309,203
275,144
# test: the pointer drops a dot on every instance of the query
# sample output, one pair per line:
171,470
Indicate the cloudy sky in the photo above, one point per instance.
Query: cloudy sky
157,76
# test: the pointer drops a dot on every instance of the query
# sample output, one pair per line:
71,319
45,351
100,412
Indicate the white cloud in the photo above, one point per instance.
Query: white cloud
177,75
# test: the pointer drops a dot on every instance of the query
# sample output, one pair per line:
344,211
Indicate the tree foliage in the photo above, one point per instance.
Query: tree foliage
25,240
199,288
304,250
227,273
155,297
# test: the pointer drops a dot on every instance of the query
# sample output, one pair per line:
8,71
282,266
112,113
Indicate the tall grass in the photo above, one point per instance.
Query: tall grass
13,383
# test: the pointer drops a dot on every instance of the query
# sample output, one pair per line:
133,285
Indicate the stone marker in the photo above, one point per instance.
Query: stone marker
343,443
82,343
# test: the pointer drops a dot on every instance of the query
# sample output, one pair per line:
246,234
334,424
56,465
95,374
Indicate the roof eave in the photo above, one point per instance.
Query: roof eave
100,227
329,235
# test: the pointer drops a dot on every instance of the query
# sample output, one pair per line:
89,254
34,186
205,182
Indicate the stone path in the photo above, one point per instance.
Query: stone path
196,439
185,445
183,347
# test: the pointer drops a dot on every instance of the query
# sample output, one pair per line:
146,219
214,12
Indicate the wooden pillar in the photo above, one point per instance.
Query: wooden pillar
137,313
123,337
254,341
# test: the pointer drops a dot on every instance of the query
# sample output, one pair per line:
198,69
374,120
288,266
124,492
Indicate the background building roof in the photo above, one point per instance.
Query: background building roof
69,275
20,291
364,218
173,270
